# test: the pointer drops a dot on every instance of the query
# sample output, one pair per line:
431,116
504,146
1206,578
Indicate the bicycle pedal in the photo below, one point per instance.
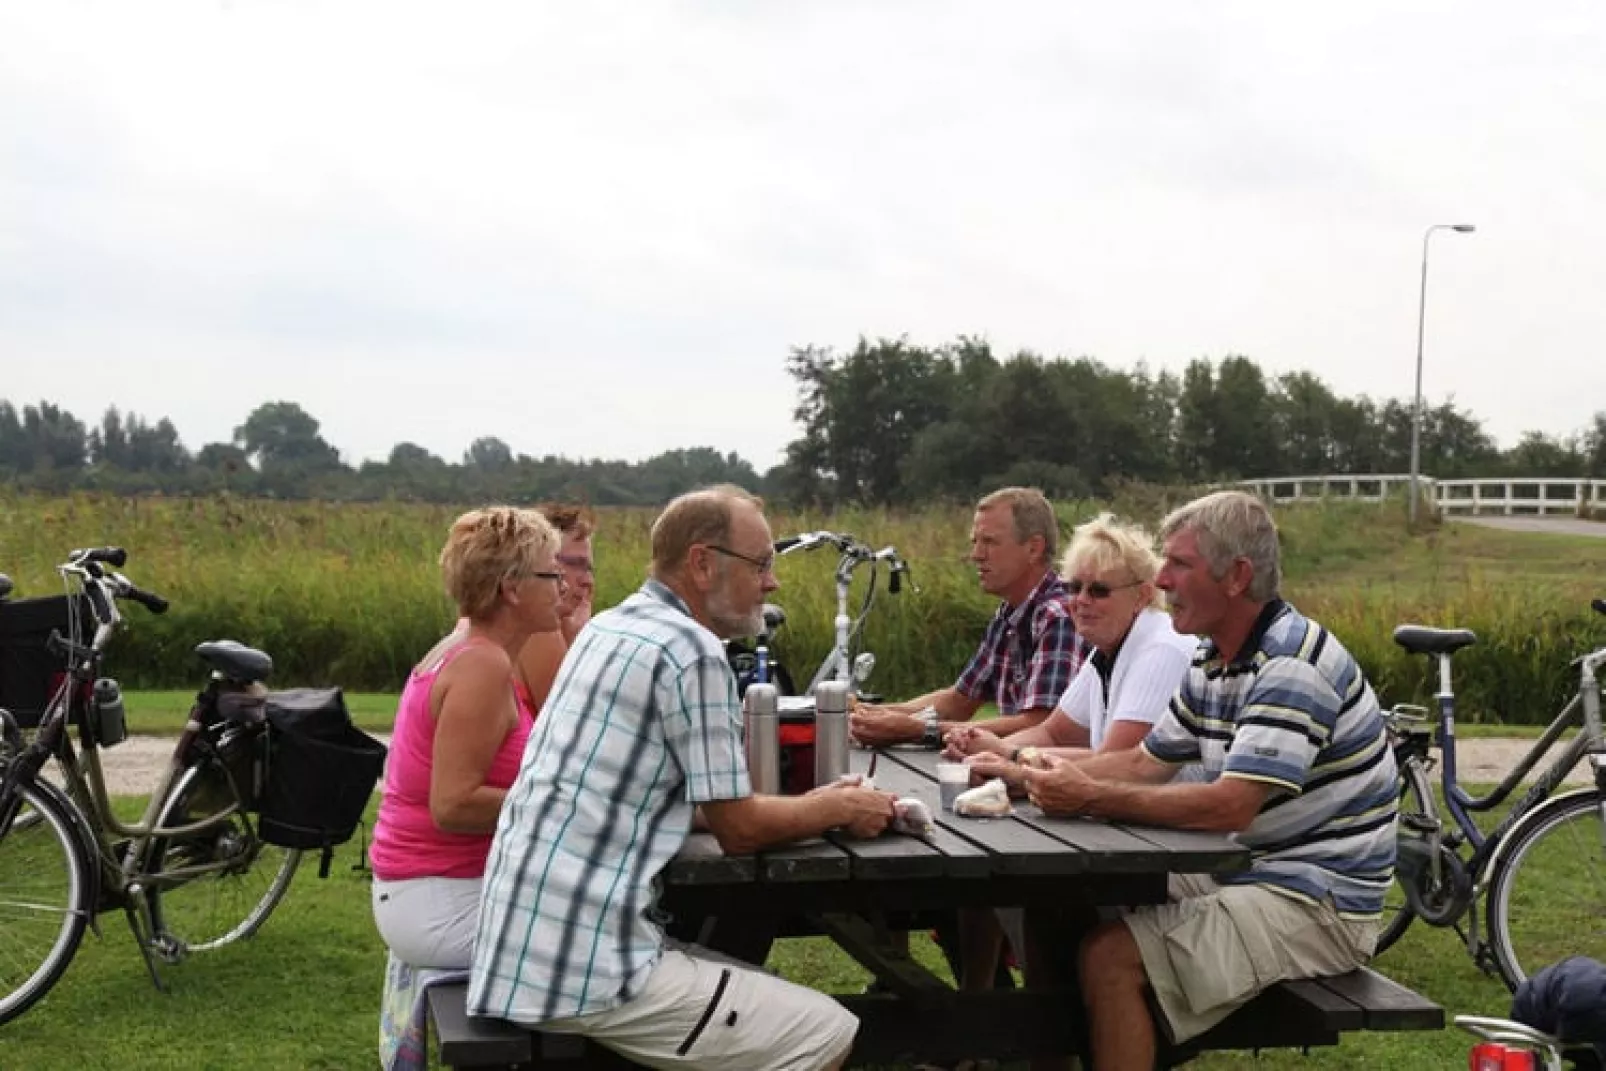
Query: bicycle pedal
169,949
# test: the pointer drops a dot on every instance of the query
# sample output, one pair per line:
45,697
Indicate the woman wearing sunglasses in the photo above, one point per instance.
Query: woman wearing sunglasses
1137,662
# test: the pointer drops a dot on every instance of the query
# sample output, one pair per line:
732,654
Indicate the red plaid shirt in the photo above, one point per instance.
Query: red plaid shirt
1029,654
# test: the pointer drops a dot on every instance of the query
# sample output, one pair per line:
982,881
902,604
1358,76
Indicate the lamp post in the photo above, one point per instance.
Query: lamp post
1421,323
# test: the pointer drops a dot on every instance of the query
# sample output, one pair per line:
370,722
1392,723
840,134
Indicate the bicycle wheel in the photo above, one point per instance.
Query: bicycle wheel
1547,894
1416,798
245,880
46,893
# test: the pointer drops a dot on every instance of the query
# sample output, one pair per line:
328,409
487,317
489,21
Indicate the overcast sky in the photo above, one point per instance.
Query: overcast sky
596,230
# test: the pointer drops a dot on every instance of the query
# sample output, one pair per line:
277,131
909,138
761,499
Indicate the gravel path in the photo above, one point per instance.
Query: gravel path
133,766
1553,525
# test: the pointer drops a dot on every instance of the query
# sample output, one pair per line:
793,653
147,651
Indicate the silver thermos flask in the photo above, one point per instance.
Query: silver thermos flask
830,731
763,738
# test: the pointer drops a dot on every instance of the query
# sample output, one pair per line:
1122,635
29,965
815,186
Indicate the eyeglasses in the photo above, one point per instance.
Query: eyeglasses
1096,590
763,565
577,563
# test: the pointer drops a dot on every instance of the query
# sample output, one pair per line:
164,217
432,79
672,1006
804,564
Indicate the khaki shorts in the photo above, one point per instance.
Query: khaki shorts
700,1010
1215,946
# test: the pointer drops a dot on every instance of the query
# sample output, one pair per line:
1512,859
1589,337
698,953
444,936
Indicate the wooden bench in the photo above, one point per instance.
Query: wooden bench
1301,1014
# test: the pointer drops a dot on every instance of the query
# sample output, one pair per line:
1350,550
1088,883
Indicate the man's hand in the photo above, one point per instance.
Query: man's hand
865,812
877,727
1060,787
985,766
965,740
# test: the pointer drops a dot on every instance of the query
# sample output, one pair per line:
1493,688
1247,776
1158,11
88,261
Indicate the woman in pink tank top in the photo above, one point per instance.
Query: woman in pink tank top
459,736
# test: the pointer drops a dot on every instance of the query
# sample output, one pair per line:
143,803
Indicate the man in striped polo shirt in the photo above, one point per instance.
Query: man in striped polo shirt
642,729
1292,740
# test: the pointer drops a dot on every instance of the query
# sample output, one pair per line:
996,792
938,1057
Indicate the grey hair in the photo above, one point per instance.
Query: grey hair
1232,525
1029,515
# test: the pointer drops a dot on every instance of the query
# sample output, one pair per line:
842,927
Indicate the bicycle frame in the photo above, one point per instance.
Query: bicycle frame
838,664
1583,709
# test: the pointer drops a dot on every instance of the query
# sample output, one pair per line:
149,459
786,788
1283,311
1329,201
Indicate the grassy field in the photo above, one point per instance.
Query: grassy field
349,594
304,994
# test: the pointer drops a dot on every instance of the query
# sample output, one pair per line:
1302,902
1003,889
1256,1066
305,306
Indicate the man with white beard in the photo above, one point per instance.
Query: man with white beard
643,731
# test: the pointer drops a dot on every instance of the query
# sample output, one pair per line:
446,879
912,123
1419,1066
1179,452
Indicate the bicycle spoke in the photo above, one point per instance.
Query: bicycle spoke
1548,899
44,892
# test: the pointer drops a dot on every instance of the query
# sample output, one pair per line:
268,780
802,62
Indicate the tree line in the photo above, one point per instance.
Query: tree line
894,423
887,423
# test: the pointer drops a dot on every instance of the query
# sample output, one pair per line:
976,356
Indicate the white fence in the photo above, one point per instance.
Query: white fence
1530,495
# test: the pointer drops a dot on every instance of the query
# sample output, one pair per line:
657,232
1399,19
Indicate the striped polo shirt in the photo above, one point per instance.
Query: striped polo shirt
1294,711
643,723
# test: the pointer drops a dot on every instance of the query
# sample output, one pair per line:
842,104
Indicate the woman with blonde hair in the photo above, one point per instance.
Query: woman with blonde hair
459,736
1123,687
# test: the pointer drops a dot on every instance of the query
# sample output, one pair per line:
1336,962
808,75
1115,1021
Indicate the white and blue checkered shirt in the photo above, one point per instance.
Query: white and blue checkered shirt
643,723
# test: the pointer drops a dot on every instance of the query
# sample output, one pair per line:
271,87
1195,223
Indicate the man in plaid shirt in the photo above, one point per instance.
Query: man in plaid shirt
1030,651
642,730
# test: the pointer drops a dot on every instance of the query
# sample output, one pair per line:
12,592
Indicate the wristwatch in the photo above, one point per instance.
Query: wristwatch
1025,756
931,735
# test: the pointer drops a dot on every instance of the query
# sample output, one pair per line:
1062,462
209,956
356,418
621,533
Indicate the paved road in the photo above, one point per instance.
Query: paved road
1554,525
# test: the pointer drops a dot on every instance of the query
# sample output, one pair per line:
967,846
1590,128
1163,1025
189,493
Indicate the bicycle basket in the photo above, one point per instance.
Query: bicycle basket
29,672
321,770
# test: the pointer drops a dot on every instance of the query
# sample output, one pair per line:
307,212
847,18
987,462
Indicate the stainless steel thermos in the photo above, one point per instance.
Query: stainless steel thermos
830,731
763,718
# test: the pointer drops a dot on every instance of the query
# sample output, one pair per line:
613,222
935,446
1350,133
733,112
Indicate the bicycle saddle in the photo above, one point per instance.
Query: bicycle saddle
236,661
6,585
1419,639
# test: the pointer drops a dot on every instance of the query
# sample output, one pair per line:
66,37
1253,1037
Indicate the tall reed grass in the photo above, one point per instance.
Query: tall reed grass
350,593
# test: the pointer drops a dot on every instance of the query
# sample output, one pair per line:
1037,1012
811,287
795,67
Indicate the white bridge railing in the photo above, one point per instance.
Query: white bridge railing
1531,495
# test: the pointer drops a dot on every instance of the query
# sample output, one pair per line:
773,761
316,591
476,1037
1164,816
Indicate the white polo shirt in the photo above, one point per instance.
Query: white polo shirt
1151,664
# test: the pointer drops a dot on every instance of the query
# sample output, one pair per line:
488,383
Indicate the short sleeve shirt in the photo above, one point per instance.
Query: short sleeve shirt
1029,653
1148,668
643,723
1294,711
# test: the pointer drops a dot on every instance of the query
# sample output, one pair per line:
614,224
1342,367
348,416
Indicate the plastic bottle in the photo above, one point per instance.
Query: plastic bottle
761,665
111,720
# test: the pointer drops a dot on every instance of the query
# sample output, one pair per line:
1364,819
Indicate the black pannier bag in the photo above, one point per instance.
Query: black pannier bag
29,672
321,771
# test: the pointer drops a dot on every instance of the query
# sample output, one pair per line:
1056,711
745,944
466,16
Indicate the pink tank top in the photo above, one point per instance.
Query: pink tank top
407,843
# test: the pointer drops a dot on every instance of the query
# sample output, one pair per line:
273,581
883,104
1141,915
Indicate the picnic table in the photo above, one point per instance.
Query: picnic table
864,894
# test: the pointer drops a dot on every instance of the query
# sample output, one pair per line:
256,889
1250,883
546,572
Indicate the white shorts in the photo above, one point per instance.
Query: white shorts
702,1011
428,922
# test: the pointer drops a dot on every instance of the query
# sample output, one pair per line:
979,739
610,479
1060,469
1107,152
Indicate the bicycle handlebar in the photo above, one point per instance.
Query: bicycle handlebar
1599,605
116,557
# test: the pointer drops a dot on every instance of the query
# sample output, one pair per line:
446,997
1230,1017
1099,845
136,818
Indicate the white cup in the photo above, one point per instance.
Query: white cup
952,779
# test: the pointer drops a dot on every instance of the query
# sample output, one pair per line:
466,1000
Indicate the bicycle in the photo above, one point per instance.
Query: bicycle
191,874
840,663
1547,855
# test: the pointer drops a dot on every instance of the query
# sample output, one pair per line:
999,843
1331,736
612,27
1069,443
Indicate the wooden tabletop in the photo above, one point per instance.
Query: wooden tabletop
1025,846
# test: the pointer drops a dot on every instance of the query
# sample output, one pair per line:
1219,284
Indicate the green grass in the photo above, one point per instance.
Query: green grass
304,994
349,594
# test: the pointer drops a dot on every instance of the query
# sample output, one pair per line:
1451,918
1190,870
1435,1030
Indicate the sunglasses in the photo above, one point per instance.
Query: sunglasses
1097,590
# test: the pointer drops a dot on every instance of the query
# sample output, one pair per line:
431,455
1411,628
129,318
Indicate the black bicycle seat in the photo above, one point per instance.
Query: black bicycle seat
774,617
1419,639
6,586
236,661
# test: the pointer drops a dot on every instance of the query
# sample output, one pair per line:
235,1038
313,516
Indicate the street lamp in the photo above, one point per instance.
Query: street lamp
1421,322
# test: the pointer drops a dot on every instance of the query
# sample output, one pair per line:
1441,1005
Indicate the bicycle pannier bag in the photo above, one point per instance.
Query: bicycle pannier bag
321,771
29,672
